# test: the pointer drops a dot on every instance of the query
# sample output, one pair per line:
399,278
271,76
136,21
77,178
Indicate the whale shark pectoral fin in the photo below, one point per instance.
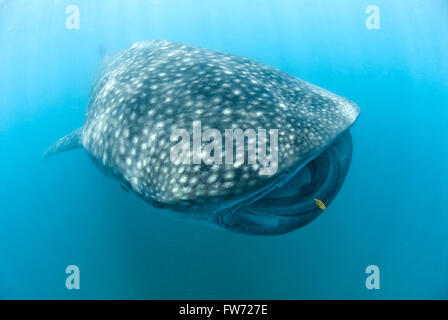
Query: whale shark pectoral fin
69,142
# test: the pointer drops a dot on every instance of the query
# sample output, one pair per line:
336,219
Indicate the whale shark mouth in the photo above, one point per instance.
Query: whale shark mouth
292,206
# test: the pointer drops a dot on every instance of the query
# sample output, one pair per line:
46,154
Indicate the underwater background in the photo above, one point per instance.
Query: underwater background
391,211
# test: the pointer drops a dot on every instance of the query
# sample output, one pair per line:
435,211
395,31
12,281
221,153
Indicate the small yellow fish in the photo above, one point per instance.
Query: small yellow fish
320,204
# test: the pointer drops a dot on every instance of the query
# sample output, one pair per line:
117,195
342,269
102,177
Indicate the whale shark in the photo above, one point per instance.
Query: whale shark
146,92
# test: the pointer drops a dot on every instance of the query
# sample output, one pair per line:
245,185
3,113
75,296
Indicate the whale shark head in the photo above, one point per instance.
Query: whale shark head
217,138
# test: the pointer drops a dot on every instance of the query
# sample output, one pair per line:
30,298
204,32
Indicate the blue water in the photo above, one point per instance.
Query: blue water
391,212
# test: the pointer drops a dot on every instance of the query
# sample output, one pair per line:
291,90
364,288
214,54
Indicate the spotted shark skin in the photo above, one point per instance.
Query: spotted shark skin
154,87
